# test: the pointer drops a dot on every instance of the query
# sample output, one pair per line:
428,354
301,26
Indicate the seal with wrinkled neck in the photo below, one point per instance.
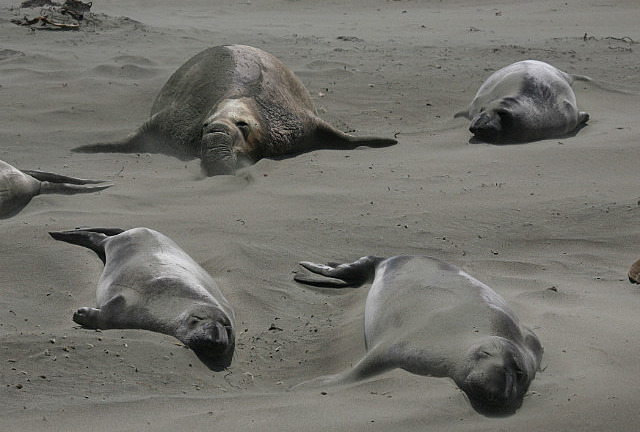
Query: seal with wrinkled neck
231,106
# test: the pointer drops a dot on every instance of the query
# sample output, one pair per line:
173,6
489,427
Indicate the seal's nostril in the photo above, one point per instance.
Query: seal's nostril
210,128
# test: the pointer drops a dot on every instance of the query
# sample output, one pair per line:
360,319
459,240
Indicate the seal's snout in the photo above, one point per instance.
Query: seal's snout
496,389
487,126
214,339
217,155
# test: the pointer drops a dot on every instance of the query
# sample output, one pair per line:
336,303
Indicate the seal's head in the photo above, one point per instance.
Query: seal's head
208,331
503,121
230,137
497,375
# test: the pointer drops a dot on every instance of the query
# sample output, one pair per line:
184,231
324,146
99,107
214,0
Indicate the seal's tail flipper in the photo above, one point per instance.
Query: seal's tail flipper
91,238
340,276
328,137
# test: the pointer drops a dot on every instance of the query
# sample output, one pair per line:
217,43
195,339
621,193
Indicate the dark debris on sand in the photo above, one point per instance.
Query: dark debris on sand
52,15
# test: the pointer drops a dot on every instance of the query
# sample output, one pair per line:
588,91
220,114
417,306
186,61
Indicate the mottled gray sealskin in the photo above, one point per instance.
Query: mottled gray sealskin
17,187
150,283
525,101
430,318
230,106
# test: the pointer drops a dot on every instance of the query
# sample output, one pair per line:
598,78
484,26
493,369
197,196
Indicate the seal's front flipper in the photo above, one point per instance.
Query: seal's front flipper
90,238
344,275
87,317
373,363
463,113
328,137
101,318
134,143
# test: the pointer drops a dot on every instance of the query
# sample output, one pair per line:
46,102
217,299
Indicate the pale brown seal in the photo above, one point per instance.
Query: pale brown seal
525,101
430,318
18,187
150,283
231,106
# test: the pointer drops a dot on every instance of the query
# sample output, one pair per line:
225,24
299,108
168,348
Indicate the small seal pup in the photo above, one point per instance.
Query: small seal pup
18,187
430,318
150,283
525,101
231,106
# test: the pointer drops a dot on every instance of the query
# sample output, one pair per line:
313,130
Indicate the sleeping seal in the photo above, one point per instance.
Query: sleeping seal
525,101
231,106
150,283
18,187
430,318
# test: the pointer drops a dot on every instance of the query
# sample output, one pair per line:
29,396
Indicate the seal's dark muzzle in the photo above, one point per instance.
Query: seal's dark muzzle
486,127
214,339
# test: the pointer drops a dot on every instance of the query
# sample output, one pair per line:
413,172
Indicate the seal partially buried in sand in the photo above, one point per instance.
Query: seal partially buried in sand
150,283
525,101
230,106
18,187
431,318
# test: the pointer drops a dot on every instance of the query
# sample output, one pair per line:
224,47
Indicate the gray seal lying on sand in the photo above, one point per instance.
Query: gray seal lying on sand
525,101
231,106
18,187
150,283
430,318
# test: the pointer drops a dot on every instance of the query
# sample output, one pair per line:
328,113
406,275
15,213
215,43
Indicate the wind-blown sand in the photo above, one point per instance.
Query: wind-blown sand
551,225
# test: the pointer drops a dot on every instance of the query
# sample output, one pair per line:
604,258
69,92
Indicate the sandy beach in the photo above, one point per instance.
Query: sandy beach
552,225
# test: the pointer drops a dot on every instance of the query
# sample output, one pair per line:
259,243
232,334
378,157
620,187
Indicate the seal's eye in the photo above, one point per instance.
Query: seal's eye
244,128
483,354
194,320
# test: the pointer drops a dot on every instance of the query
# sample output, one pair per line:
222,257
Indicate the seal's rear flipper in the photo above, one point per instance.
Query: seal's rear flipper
70,189
91,238
339,276
57,178
304,278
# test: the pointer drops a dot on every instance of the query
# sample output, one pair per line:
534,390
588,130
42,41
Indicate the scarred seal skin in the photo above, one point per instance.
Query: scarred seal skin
230,106
149,283
430,318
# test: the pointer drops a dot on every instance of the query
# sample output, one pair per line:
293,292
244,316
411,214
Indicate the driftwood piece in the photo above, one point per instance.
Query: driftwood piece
46,21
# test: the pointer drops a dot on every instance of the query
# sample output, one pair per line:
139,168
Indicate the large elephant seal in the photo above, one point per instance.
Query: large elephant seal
525,101
150,283
18,187
231,106
430,318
